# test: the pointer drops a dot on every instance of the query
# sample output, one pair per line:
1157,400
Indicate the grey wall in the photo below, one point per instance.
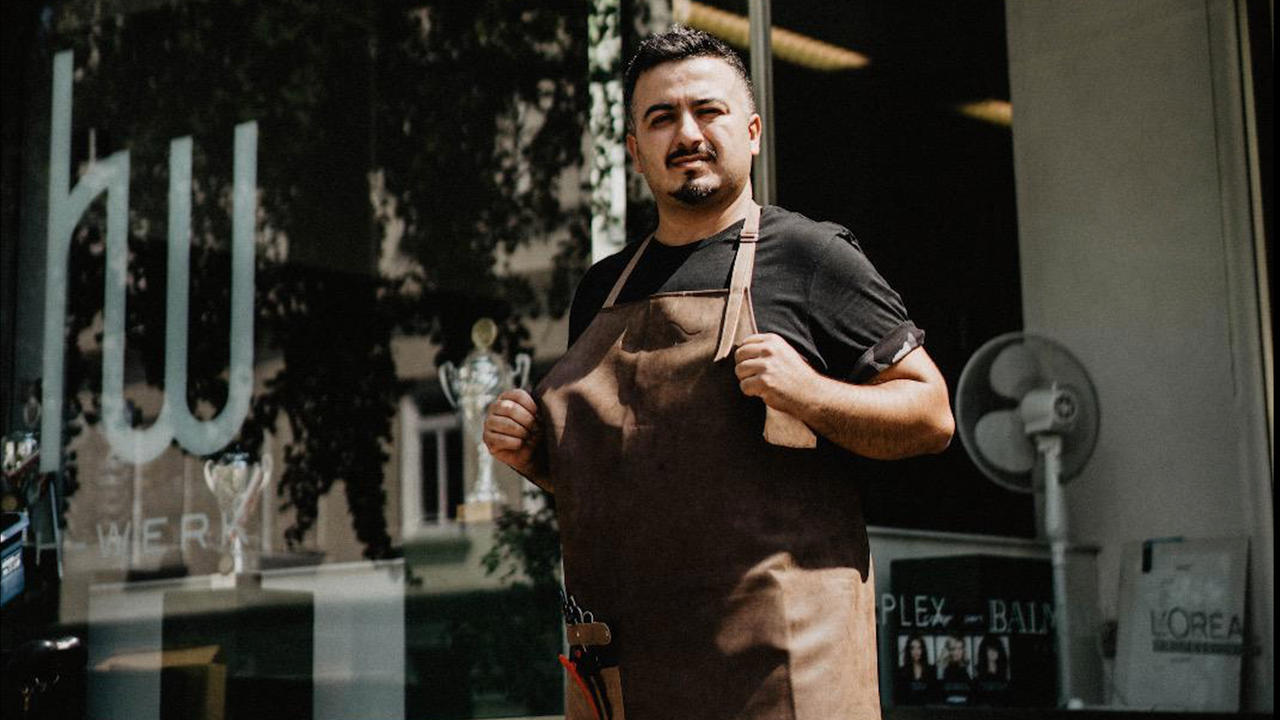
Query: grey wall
1136,252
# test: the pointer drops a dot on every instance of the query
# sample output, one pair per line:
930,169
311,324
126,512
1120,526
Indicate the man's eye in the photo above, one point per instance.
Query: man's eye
709,112
660,120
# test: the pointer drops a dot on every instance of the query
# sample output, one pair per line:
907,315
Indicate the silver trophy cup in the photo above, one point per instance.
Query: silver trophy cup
482,377
236,481
22,449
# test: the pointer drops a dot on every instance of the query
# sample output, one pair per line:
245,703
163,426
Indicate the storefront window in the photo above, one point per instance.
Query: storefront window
247,236
244,240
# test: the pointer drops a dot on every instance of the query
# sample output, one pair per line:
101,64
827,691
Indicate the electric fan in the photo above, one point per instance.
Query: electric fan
1028,416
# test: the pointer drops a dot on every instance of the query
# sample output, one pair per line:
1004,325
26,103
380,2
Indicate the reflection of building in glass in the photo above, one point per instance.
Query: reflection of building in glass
431,476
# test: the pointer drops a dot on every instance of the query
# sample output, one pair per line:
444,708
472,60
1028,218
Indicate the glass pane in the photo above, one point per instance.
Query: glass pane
271,225
894,120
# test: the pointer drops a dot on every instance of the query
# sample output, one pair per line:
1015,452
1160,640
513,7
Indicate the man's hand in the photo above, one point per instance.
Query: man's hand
902,411
512,433
770,369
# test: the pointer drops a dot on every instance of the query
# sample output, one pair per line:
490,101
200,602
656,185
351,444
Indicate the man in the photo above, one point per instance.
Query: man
696,434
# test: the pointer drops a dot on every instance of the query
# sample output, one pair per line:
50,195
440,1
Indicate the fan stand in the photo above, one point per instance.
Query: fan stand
1049,454
1034,448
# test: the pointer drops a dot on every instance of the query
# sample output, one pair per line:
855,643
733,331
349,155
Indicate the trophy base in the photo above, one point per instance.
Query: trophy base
474,512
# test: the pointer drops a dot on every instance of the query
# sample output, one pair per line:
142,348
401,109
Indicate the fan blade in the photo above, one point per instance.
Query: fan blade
1002,441
1014,371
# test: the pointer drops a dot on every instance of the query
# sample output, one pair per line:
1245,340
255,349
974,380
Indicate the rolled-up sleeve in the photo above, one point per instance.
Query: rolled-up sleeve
858,323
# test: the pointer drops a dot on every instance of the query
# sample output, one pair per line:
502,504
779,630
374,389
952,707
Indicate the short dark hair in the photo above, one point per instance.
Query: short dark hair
680,43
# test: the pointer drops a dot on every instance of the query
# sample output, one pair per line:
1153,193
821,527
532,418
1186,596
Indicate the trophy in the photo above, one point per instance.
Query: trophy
21,450
21,456
236,481
470,388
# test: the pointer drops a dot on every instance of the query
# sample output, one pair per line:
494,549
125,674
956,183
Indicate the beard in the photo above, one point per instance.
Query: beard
693,192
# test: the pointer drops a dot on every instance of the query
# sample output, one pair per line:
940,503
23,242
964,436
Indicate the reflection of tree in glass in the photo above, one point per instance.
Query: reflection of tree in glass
513,643
443,126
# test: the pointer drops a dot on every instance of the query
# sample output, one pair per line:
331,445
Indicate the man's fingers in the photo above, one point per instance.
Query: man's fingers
769,368
747,368
497,442
754,346
502,425
513,409
511,429
522,398
752,380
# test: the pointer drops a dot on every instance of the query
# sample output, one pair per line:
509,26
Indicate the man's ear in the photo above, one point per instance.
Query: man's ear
755,129
633,149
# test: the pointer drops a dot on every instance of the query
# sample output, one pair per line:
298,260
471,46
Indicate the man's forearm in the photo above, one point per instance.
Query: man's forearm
885,421
902,412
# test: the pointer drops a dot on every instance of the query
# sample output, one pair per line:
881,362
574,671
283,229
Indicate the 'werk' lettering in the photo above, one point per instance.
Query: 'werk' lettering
155,535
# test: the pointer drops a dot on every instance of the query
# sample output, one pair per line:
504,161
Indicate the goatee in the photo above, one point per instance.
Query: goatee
693,194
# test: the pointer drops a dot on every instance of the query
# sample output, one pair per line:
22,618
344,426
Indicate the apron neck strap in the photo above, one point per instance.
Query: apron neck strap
626,273
743,261
740,285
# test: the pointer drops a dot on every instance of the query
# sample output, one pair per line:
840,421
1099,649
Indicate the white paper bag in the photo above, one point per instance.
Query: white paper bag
1181,635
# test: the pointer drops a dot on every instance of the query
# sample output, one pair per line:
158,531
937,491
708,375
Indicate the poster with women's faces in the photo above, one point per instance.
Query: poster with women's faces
982,624
952,669
921,651
916,675
991,669
955,668
991,657
955,653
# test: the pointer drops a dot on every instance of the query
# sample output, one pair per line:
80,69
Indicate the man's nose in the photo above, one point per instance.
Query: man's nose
688,131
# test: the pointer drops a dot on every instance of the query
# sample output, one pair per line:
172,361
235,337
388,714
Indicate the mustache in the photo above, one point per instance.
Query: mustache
701,152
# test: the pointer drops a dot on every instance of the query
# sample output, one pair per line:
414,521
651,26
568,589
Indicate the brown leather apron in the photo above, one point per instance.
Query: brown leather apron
734,573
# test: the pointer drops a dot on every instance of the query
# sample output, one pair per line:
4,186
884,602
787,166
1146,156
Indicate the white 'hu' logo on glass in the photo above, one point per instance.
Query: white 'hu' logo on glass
111,175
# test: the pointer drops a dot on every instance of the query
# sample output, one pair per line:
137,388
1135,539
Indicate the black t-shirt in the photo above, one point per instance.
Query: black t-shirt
812,285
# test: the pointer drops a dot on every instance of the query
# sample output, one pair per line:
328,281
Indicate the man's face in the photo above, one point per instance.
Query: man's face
694,132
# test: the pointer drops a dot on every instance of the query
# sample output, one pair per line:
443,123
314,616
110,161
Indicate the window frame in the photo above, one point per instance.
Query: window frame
415,427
